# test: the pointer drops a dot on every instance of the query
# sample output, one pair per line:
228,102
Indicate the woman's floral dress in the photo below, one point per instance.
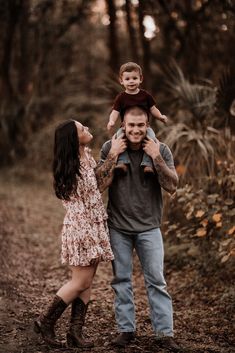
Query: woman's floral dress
85,233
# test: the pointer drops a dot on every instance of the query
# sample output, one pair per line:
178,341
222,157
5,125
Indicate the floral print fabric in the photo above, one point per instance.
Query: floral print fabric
85,232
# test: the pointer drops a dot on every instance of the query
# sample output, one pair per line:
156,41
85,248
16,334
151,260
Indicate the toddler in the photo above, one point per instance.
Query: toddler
130,77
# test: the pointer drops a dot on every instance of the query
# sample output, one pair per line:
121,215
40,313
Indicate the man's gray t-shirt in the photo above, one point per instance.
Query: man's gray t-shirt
135,199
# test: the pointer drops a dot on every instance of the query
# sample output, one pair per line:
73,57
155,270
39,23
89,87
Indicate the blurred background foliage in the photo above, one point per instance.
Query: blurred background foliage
60,59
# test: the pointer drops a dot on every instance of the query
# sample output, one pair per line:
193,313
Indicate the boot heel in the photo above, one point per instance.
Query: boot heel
72,342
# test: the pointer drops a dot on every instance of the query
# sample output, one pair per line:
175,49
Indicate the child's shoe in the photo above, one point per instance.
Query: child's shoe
148,170
121,169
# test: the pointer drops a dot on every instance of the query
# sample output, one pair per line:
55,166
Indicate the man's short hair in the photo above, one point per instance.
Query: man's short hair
130,66
136,110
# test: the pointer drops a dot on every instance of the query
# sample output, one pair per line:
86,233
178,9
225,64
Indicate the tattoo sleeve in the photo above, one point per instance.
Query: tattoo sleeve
104,172
167,176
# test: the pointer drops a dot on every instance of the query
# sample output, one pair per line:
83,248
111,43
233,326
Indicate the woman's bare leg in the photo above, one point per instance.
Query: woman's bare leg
79,285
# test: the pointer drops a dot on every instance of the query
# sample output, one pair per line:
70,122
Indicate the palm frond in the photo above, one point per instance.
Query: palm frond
197,98
196,150
225,96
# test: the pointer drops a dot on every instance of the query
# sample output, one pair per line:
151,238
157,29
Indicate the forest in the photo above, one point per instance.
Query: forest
60,60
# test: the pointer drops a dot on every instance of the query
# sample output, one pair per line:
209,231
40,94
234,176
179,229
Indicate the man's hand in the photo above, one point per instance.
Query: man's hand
151,147
119,145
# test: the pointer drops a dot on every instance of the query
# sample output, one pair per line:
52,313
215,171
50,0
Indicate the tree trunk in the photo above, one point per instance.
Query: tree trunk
10,13
171,31
145,45
25,62
131,31
11,108
114,60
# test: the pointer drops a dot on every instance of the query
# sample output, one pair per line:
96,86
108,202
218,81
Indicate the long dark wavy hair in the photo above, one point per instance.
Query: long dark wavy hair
66,163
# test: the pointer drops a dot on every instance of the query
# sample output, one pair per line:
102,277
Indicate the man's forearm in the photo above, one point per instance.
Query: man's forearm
105,172
167,177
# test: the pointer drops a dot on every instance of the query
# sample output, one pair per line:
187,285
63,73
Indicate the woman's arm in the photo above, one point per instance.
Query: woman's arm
105,169
105,172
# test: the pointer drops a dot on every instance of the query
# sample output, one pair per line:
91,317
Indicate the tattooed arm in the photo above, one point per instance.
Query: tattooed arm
167,175
105,172
109,155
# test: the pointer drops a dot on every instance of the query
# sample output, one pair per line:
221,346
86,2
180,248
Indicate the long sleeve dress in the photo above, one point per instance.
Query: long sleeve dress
85,233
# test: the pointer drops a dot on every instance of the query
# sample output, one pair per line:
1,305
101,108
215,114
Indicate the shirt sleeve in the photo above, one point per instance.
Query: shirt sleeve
167,155
104,152
151,101
117,105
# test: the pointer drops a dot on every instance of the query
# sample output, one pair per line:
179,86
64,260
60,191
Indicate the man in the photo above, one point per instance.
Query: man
135,210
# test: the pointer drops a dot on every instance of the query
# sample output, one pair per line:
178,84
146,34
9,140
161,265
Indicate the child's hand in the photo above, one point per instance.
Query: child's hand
110,125
163,118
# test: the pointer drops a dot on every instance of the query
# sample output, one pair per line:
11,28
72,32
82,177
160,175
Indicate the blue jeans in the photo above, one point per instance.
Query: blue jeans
146,161
149,248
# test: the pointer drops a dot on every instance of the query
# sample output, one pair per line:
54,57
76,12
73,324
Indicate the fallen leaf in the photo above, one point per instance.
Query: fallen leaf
204,222
211,199
217,217
226,242
231,212
225,258
229,202
232,252
231,230
180,169
201,232
219,225
199,214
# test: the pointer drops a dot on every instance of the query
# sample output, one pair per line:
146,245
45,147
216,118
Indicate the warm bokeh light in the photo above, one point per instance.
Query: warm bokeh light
174,15
105,20
224,28
99,6
182,23
150,27
135,2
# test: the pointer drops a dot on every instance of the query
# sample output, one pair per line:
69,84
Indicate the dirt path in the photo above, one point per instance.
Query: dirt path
30,221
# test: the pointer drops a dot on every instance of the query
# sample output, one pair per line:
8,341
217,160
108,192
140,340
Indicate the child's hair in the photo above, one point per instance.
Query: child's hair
128,67
66,161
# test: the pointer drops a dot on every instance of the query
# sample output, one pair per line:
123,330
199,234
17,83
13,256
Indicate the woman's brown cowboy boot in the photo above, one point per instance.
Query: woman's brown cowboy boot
46,322
78,314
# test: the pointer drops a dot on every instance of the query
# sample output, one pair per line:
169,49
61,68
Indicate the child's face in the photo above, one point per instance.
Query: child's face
131,80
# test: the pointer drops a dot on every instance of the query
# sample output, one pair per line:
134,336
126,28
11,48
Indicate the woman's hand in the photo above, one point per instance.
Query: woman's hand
105,171
119,145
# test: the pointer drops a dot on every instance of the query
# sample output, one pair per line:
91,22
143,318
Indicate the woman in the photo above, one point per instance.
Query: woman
85,240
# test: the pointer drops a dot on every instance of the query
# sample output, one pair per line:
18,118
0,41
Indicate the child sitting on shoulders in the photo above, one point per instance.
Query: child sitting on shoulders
130,77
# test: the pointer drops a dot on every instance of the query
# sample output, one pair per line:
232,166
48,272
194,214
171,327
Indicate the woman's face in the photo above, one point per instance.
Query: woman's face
83,133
